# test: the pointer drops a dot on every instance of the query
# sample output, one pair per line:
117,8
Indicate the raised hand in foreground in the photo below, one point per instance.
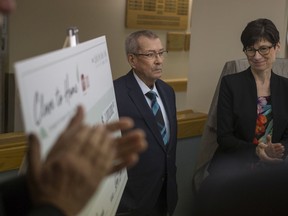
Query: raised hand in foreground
79,160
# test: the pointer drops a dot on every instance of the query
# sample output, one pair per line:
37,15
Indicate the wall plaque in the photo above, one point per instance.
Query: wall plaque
157,14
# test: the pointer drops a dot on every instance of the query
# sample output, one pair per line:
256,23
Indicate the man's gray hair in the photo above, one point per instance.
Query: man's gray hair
131,42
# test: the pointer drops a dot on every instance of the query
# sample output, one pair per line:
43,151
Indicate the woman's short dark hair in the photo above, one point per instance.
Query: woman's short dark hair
257,30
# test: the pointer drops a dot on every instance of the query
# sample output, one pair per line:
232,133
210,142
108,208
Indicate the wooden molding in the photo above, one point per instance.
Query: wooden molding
190,123
13,146
179,84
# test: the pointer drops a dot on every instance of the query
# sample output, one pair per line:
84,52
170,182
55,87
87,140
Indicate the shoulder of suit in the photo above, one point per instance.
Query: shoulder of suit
237,75
120,79
280,78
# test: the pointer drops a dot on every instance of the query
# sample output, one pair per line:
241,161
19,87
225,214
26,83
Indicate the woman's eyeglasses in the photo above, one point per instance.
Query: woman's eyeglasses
263,50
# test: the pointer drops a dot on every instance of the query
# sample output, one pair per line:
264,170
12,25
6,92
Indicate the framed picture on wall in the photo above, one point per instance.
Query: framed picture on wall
157,14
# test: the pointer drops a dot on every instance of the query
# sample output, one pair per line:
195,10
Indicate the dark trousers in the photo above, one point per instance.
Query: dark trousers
160,209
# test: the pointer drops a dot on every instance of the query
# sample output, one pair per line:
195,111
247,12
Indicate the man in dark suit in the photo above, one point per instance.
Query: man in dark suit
151,188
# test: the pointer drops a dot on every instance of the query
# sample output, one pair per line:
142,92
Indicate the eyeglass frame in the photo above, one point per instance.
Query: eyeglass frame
258,50
152,54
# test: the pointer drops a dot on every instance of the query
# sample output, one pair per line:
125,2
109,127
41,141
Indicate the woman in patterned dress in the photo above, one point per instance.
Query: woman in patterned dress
252,110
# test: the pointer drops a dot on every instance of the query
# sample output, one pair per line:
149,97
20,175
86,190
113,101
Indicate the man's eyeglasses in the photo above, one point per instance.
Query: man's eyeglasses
263,50
152,55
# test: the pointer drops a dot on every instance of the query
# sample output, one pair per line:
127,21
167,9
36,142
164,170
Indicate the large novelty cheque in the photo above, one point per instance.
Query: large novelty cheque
52,85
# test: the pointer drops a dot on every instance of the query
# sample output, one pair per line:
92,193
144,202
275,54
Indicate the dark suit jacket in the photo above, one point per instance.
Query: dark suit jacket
15,200
237,114
157,164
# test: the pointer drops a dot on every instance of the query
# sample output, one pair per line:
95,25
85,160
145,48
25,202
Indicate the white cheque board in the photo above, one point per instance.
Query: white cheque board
52,85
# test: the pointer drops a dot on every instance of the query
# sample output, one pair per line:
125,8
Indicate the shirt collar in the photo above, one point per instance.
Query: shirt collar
143,86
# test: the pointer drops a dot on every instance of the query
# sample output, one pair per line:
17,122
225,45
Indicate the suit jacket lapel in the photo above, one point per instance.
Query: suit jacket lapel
140,102
276,104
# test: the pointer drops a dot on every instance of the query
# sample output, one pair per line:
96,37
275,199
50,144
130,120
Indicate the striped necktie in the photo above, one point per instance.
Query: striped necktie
158,115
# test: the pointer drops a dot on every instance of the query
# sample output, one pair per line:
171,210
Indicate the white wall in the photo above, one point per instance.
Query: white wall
216,27
40,26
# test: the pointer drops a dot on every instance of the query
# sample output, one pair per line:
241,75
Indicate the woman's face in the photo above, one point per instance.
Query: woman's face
262,62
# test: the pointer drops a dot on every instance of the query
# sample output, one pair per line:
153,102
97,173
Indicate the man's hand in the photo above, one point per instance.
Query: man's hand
79,160
129,145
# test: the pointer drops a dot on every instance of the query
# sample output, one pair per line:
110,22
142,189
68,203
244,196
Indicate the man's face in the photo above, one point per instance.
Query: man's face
149,69
7,6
